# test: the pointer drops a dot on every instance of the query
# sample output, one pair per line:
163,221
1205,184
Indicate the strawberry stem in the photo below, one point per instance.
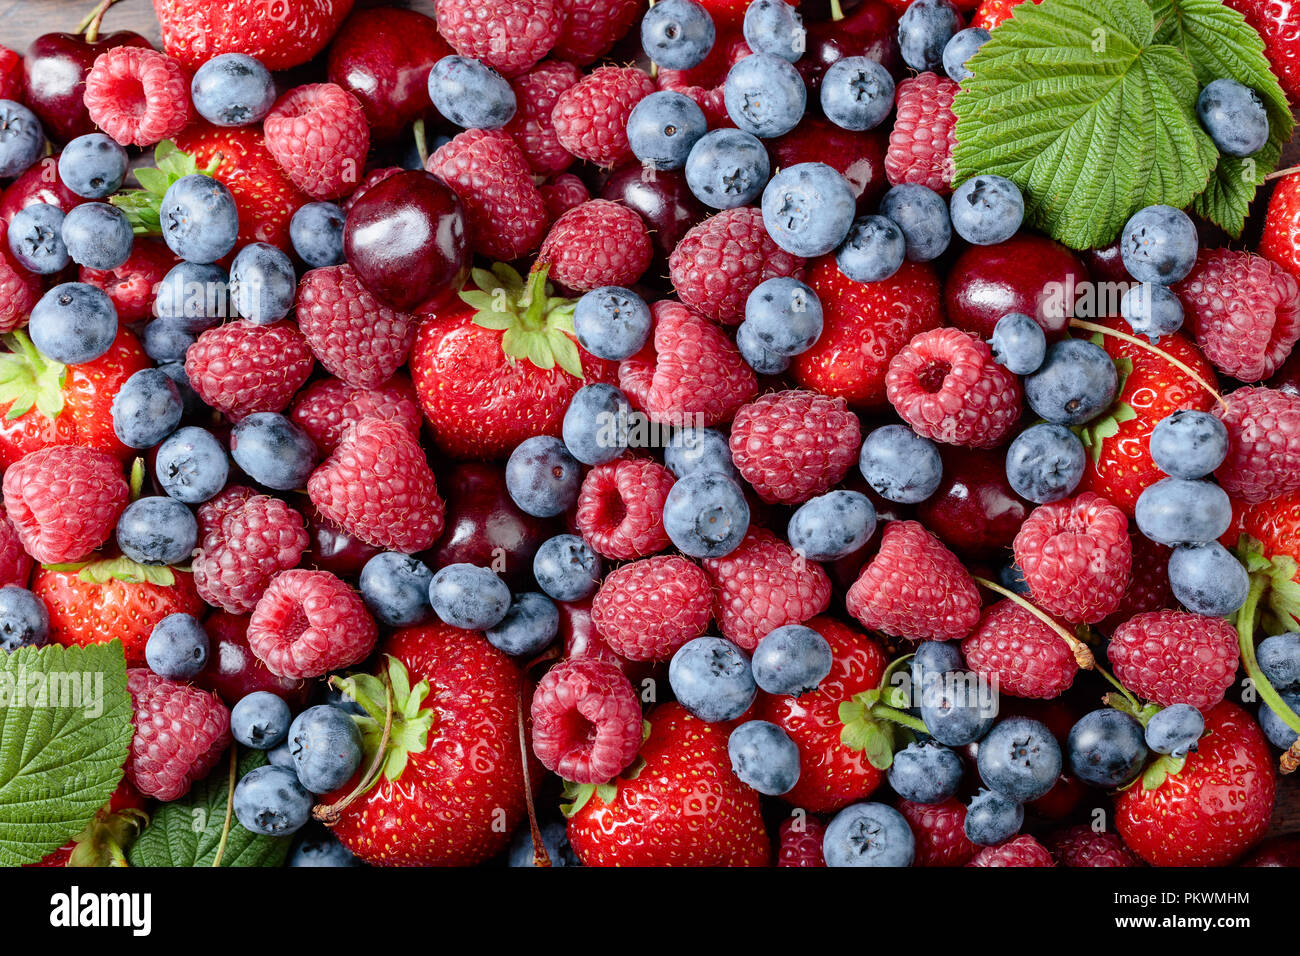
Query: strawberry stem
230,807
1246,641
1279,173
1082,653
1134,340
899,717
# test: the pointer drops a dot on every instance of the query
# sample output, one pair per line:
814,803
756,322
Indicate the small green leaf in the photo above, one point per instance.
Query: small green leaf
1161,769
155,181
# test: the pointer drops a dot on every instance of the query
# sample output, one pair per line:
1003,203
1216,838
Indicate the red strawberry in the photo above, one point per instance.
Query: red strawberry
590,117
180,734
1275,524
1263,444
431,806
1173,657
728,13
591,27
1280,240
308,623
247,539
326,407
865,324
801,842
940,832
597,243
1022,654
240,368
1082,846
993,12
586,720
924,133
620,510
508,35
19,289
684,808
647,609
11,75
64,501
353,334
1275,21
1212,810
132,285
794,445
1022,851
531,126
282,35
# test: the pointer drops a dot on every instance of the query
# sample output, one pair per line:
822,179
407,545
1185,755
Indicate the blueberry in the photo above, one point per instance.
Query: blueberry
1151,310
700,450
765,95
157,530
808,209
543,479
146,409
260,720
1020,759
316,231
727,168
900,465
97,235
832,526
924,30
93,166
326,747
1234,116
773,26
1076,383
191,465
273,451
963,45
1159,244
262,283
677,34
1176,511
1279,659
232,89
952,710
200,221
711,678
785,315
922,215
596,423
663,128
196,296
925,773
873,250
992,818
1277,731
764,757
271,802
1174,730
73,323
1107,748
933,659
396,589
22,139
1189,444
1013,579
869,834
279,756
762,360
529,627
177,648
555,837
857,93
612,322
1207,579
567,568
190,400
469,597
24,621
471,94
1018,343
791,660
1045,463
986,210
706,515
317,846
167,340
36,239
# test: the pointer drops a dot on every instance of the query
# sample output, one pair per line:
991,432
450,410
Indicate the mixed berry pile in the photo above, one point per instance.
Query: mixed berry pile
688,433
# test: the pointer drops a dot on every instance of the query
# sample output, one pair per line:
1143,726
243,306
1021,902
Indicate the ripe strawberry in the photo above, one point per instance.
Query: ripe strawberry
531,126
794,445
282,35
1076,557
832,775
940,832
240,368
180,734
590,117
915,588
620,509
1172,657
993,12
1275,524
351,333
319,136
308,623
44,403
132,285
591,27
924,133
137,95
689,368
1280,239
11,75
247,540
684,808
481,391
800,842
723,259
596,244
435,808
113,600
510,36
647,609
586,720
326,407
763,585
64,501
865,324
1022,654
1082,846
15,563
1263,444
1275,22
1212,810
1022,851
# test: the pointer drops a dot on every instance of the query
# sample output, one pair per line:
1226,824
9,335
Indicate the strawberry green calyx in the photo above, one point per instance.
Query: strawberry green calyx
536,324
872,719
394,725
104,841
577,795
1107,424
1261,580
28,379
120,568
143,207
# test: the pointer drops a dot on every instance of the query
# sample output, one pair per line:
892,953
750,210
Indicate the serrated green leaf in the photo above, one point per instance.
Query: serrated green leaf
65,726
1073,102
187,832
565,352
154,181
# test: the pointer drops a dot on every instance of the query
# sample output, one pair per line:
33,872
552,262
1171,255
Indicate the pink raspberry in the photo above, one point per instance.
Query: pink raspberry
596,244
945,384
180,734
586,720
531,126
1022,851
940,831
620,510
924,133
240,368
309,623
1172,657
647,609
590,117
248,538
351,333
566,191
137,96
326,407
801,842
1082,846
1025,656
64,501
592,27
1263,444
794,445
319,135
216,509
508,35
15,563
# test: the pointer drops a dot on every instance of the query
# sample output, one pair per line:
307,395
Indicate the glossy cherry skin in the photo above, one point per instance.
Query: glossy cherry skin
1106,264
974,511
40,183
1277,851
382,56
1027,273
406,238
858,157
333,549
1287,377
869,30
233,670
581,639
55,69
664,202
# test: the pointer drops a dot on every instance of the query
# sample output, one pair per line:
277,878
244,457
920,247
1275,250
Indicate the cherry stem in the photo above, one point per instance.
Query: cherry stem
230,806
1082,653
1134,340
421,143
837,12
330,813
1279,173
1246,641
89,27
541,856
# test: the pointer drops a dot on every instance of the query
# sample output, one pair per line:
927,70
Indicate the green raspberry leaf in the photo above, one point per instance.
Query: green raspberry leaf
65,726
1074,102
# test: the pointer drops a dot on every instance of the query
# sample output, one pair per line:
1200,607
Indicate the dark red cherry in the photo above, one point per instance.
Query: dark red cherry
40,183
663,200
1106,264
233,670
1287,377
858,157
1278,851
974,511
333,549
868,30
581,639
